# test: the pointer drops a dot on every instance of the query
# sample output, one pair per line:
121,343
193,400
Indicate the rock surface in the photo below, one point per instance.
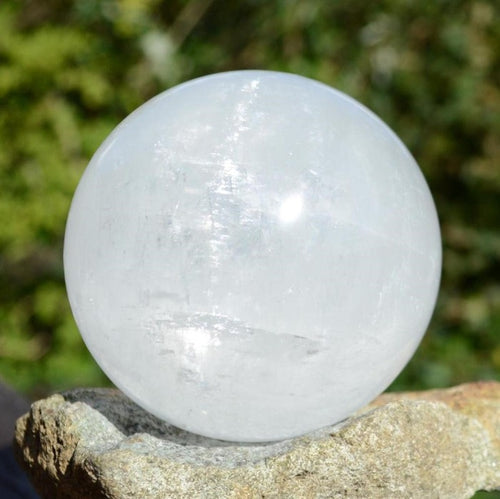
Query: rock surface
97,443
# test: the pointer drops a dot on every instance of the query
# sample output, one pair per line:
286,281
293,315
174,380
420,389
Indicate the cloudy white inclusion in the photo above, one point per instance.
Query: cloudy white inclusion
291,208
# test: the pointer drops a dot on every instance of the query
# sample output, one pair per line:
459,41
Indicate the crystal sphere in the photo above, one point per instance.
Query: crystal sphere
252,255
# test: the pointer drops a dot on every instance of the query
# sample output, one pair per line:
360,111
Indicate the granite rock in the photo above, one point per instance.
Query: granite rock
97,443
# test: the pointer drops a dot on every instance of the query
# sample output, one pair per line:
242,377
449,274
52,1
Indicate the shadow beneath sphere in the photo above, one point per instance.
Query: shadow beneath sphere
130,419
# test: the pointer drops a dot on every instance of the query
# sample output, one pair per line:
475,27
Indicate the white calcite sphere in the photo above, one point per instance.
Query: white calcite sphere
252,255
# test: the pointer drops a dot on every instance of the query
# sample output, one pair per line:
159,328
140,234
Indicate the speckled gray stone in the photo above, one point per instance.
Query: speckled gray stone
97,443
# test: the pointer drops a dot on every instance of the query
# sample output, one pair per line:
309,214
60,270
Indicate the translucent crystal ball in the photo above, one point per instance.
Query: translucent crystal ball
252,255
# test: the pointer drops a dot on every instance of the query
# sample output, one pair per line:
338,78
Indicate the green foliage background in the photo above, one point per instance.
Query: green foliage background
70,71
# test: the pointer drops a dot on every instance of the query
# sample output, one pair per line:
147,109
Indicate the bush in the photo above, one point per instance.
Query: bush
70,71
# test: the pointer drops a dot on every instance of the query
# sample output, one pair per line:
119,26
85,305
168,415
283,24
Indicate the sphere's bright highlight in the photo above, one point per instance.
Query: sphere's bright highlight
252,255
